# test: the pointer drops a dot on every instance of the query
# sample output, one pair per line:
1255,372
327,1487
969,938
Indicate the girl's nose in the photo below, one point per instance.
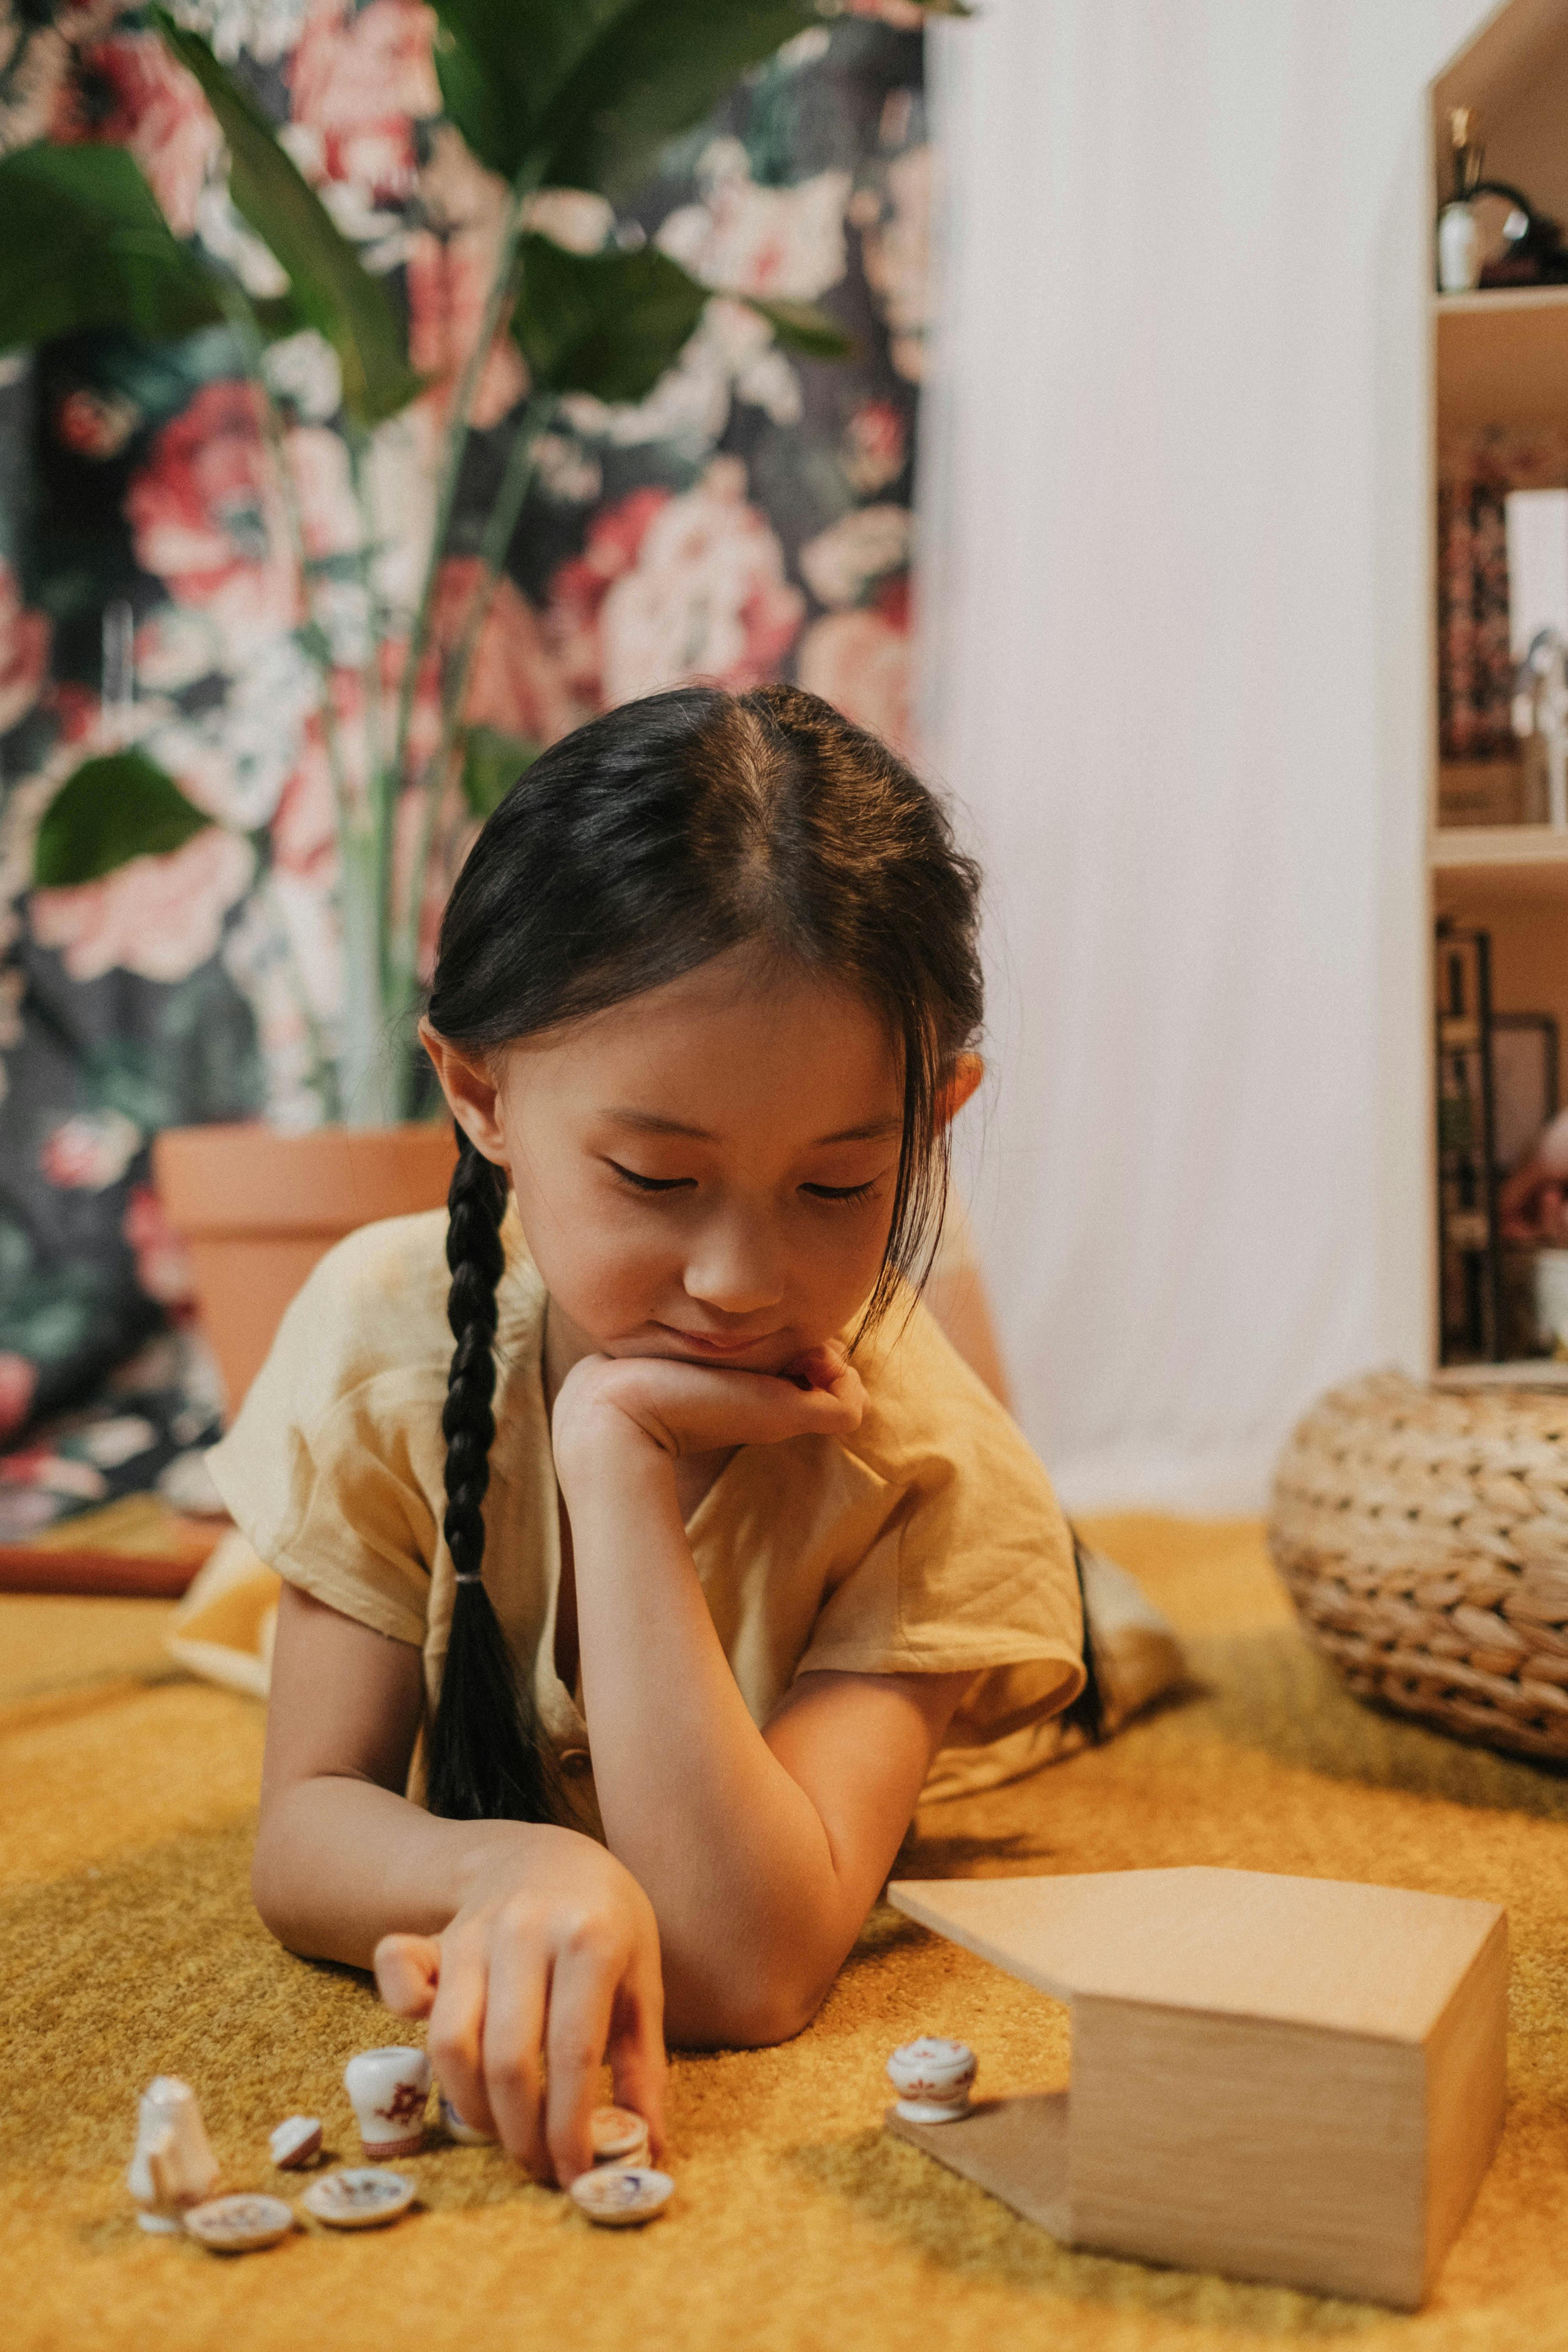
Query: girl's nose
734,1268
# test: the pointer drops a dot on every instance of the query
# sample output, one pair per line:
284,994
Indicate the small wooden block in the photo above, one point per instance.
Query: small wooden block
1292,2079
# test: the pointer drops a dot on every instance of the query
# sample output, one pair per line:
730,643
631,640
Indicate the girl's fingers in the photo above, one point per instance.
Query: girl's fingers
455,2039
408,1971
514,2032
581,1998
637,2054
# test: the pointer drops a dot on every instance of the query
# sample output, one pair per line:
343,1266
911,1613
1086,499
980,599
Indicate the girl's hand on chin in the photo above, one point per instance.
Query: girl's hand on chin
685,1408
550,1966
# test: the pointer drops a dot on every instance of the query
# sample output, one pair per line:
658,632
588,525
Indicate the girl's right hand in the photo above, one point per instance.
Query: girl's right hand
549,1968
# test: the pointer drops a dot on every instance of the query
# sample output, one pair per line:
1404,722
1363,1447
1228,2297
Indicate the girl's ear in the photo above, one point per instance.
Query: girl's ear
471,1093
967,1072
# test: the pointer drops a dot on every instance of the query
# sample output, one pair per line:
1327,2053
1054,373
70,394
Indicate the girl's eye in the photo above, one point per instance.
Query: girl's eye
843,1193
652,1183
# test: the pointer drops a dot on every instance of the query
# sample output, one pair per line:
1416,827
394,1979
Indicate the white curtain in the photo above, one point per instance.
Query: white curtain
1176,560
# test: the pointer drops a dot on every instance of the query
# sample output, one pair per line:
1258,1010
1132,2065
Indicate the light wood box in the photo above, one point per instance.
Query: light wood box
1291,2079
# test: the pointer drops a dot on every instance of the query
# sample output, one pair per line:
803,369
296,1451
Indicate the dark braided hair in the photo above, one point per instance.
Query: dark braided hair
631,852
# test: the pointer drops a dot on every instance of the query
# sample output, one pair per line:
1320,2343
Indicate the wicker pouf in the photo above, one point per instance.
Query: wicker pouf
1424,1536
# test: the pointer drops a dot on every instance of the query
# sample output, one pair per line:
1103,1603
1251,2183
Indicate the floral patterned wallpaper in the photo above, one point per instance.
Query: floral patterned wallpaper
750,518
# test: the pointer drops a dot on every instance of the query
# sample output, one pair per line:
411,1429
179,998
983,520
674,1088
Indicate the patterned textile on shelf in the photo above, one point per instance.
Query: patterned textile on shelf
750,518
1475,672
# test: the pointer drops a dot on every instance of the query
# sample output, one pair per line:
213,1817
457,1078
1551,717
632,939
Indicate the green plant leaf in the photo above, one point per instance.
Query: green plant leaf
653,69
496,84
493,763
85,245
333,290
119,806
801,327
608,323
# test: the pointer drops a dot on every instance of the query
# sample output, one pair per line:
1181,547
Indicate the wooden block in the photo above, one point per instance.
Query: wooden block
1292,2079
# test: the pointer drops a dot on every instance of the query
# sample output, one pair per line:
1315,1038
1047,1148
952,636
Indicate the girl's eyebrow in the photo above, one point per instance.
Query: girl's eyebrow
651,1123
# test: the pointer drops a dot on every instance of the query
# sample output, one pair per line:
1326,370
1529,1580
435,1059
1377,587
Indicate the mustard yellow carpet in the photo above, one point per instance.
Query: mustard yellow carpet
128,1945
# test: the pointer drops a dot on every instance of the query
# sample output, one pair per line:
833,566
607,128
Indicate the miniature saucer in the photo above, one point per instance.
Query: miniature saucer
360,2197
465,2135
619,2135
620,2194
296,2140
239,2225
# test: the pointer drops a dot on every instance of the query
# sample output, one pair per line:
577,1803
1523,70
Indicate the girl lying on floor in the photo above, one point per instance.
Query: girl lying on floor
601,1705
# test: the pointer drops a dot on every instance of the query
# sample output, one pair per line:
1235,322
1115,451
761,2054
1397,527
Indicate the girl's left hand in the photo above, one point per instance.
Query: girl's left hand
685,1408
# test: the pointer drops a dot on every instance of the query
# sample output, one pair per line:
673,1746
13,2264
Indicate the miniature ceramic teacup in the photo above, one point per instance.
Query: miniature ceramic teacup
933,2078
172,2166
389,2088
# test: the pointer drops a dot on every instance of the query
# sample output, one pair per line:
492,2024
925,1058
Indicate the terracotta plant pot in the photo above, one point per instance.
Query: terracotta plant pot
257,1209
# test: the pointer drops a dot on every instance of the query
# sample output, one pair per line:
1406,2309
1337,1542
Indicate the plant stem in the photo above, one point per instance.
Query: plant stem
500,528
362,1088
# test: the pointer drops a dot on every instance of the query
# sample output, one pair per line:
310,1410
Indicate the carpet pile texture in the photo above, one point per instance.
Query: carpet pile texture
128,1947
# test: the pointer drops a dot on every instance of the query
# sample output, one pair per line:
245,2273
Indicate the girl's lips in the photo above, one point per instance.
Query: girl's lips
717,1347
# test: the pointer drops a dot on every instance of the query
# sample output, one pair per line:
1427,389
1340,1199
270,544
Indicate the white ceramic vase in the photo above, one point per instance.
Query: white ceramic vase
1458,248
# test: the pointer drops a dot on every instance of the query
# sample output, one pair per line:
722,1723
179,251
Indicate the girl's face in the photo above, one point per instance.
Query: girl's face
706,1171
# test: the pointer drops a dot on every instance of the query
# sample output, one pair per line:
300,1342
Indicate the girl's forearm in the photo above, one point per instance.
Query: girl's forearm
754,1918
340,1863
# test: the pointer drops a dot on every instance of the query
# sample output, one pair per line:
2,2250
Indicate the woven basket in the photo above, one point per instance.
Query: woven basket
1424,1536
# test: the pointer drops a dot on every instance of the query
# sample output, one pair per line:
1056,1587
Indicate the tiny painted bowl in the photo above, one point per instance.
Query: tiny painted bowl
933,2078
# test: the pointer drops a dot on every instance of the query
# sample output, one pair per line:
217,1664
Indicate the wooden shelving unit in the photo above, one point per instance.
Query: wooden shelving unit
1500,358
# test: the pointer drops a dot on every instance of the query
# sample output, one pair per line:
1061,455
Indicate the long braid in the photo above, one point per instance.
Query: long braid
487,1761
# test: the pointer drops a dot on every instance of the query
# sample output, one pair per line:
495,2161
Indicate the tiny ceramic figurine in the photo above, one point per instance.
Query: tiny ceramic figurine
933,2078
389,2088
240,2225
620,2137
296,2141
358,2198
618,2196
452,2123
173,2166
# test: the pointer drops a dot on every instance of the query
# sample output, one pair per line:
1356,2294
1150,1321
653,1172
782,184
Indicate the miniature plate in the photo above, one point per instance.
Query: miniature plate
238,2225
296,2141
358,2198
619,2136
621,2195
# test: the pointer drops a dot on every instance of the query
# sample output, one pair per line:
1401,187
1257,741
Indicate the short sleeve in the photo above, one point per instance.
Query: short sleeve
972,1568
325,1468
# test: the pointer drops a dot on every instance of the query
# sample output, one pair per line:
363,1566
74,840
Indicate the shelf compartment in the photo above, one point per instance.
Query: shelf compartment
1502,357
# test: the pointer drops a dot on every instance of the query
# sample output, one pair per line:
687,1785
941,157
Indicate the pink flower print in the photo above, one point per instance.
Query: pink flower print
318,463
859,661
19,1379
358,80
24,652
90,1150
128,91
94,424
875,446
516,681
163,1260
693,587
749,238
450,266
206,515
157,917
